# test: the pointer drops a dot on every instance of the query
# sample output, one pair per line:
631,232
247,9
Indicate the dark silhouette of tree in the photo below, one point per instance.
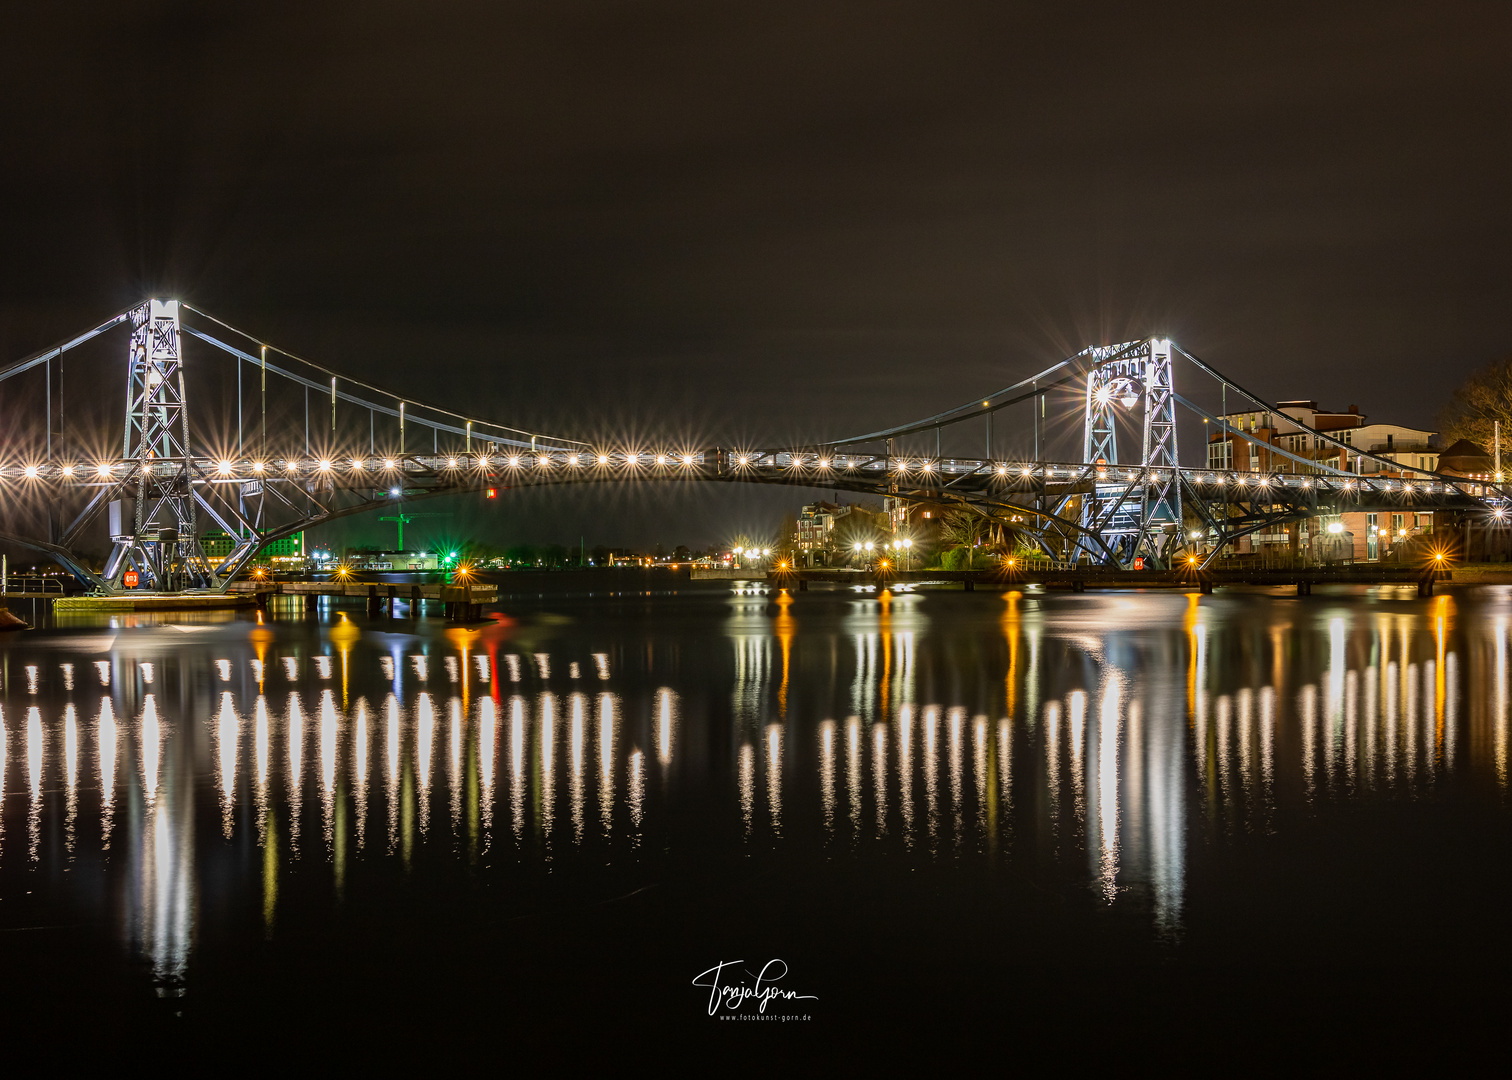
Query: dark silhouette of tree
1481,400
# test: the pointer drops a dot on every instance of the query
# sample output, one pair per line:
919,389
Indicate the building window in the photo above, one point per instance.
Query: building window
1398,522
1221,455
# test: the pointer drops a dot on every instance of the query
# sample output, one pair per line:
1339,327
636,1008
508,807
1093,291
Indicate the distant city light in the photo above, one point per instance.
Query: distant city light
394,492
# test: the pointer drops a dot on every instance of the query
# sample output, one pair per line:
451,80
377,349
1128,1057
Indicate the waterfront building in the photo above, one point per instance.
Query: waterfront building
1356,536
288,552
1407,447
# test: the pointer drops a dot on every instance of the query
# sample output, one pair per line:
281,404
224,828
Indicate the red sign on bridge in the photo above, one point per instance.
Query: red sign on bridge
129,579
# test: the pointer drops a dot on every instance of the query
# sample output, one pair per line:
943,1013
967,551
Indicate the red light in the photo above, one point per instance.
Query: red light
493,493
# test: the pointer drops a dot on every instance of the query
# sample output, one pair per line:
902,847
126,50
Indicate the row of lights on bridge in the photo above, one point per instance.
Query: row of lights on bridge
227,467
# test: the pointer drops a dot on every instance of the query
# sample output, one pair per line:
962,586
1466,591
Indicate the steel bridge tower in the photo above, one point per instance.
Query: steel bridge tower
1137,512
152,517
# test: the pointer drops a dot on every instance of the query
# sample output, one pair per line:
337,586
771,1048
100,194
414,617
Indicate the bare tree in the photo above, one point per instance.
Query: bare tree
1484,398
963,531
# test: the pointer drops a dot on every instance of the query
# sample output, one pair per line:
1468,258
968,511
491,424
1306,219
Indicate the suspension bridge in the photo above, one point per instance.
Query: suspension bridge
1122,500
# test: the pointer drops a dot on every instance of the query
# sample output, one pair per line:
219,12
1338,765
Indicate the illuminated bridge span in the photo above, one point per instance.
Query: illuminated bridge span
316,446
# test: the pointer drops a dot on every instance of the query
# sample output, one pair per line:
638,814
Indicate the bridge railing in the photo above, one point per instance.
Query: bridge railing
31,584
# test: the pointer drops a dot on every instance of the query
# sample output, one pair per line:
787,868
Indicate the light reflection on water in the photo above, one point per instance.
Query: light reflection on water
1106,747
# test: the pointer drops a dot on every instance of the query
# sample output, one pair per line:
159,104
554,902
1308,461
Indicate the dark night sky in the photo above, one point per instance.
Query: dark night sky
769,221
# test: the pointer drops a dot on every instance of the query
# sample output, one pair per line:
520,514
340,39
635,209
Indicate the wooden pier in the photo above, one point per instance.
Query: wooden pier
1079,579
461,603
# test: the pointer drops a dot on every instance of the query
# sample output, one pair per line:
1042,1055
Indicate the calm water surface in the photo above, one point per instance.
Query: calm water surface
1063,821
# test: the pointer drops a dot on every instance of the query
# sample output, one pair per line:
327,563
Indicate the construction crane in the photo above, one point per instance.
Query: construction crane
401,520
